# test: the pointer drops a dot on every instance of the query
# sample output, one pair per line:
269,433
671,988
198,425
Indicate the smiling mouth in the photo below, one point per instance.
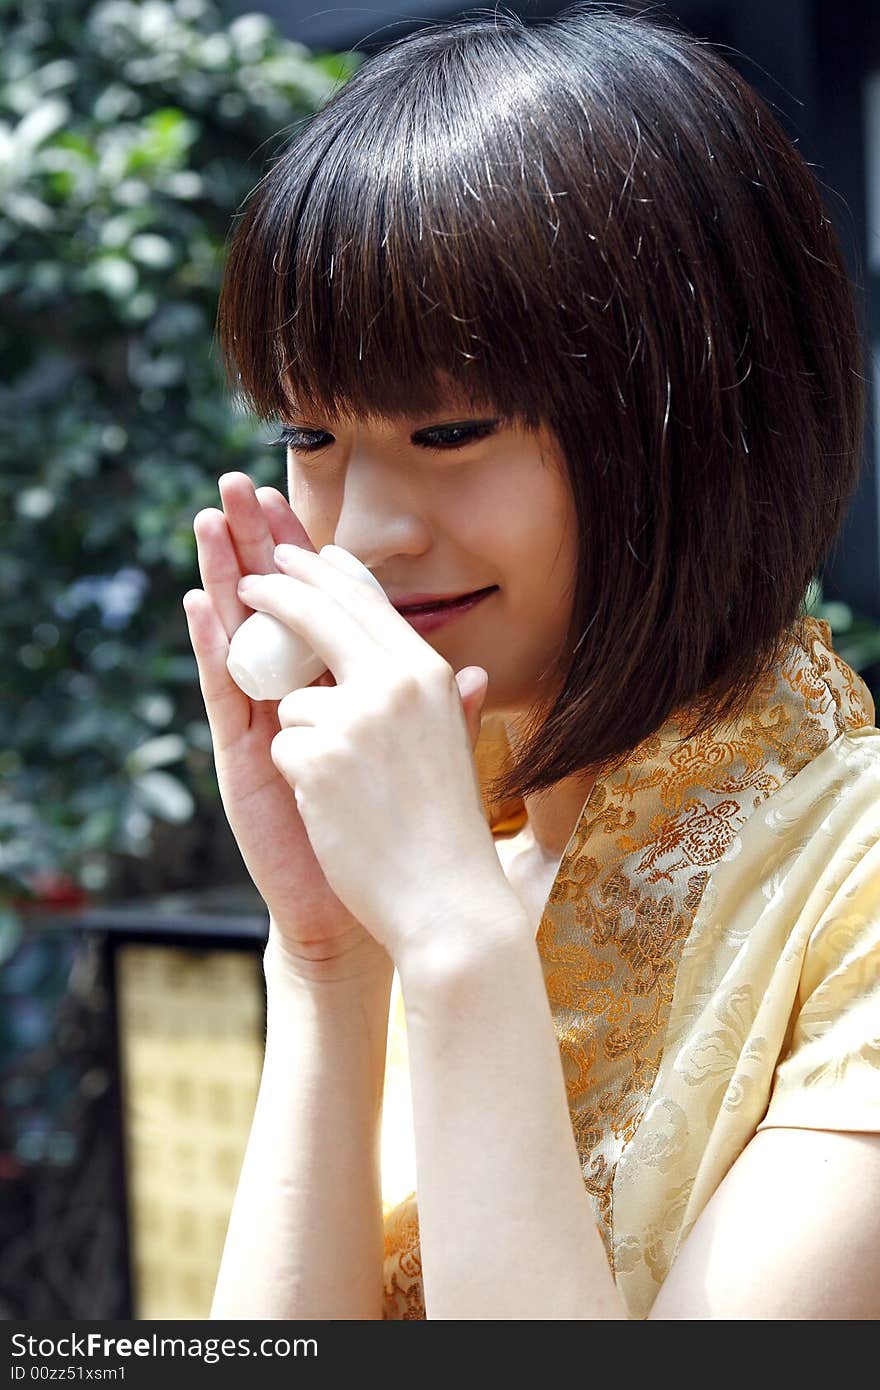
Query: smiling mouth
448,603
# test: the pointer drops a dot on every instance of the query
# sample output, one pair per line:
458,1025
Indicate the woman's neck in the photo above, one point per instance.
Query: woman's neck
552,814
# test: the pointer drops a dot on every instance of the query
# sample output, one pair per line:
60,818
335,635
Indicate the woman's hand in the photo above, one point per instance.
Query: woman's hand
315,931
381,764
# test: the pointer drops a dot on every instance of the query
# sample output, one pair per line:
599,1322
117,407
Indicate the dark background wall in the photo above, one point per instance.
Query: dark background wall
817,64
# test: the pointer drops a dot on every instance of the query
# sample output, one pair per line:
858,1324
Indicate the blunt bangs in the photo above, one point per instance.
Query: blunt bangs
590,223
374,266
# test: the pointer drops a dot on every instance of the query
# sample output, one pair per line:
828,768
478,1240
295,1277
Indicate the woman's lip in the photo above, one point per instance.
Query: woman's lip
429,601
437,617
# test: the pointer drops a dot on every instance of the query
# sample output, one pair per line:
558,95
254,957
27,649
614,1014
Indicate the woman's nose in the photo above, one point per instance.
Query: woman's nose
380,518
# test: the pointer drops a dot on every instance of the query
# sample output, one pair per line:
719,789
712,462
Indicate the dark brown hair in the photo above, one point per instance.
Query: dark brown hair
589,222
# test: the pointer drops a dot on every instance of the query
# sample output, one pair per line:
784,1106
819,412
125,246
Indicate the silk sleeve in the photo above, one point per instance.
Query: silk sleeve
828,1075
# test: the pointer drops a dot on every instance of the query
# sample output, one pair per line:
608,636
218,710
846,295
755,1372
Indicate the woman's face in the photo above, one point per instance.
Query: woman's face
439,520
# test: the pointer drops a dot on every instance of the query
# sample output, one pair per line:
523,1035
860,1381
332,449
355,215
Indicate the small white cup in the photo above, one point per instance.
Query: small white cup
267,659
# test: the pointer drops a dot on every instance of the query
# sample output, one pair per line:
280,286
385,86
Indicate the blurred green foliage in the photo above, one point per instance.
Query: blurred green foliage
130,134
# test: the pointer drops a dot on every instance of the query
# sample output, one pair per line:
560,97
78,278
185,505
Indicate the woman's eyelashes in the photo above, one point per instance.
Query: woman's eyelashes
443,437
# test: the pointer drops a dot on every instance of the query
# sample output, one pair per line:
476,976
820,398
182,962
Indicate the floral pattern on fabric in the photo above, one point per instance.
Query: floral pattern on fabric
403,1263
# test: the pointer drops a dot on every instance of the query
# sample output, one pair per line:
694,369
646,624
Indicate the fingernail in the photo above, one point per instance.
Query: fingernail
246,582
283,554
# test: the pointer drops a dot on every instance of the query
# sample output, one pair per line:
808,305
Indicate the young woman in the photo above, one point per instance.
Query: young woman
551,314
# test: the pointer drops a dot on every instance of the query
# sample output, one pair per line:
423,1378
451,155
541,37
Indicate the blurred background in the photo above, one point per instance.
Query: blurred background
131,1001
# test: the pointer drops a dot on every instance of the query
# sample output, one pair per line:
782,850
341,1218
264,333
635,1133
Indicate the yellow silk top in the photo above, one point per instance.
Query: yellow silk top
711,951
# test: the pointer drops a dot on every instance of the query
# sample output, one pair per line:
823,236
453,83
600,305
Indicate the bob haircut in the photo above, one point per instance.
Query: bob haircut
589,222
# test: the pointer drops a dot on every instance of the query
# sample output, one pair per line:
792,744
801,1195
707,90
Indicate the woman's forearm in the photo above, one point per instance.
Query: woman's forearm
305,1235
495,1150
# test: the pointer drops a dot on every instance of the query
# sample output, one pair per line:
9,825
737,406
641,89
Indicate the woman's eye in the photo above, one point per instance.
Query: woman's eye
303,441
455,436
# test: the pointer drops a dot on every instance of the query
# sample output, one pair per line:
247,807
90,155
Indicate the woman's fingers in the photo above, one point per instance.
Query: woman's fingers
287,529
227,707
239,539
284,525
219,567
248,527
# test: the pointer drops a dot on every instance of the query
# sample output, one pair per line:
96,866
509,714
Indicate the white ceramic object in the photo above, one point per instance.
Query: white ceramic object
267,659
